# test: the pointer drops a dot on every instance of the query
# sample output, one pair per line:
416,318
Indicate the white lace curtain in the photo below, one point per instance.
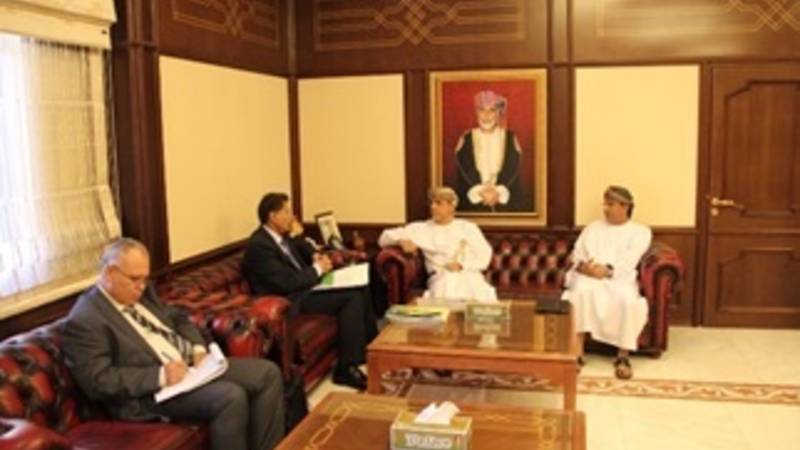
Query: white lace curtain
56,207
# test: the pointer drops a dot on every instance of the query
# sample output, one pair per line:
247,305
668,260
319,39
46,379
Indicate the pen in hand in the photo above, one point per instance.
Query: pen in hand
173,370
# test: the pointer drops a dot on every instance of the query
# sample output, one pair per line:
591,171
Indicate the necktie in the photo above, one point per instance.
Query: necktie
288,251
185,348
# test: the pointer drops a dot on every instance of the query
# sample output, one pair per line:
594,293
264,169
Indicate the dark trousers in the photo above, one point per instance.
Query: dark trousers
353,309
244,407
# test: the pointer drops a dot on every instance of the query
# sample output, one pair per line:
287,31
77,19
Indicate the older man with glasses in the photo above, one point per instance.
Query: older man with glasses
123,345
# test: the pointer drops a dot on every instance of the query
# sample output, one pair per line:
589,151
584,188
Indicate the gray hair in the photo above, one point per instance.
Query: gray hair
443,193
119,247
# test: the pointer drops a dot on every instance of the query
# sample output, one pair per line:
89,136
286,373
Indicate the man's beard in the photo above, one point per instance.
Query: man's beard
487,125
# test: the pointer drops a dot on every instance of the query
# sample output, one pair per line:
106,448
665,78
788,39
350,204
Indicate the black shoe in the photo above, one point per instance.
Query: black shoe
350,376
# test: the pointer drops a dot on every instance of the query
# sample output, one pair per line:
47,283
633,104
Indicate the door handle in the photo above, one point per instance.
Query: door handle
725,203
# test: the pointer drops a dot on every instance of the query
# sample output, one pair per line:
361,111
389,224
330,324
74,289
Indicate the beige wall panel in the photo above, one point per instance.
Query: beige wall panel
226,143
352,148
637,127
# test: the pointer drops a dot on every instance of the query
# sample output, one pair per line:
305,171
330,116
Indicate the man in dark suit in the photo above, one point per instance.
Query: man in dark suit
279,261
123,346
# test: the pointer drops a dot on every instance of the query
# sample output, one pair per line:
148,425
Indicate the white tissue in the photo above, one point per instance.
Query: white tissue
437,415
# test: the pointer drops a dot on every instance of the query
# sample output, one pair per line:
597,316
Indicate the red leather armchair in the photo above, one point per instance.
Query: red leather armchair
41,408
527,265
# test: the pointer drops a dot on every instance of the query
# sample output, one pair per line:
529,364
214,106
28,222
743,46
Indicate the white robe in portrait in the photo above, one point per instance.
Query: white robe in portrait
611,309
460,241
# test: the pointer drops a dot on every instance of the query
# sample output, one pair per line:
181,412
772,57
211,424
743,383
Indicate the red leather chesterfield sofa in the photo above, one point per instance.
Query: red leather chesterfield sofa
531,264
304,344
41,408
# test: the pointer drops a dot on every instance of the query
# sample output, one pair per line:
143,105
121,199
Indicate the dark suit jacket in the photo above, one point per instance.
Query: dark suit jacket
268,270
111,362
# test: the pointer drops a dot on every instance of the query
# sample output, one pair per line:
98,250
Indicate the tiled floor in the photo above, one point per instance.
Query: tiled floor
696,354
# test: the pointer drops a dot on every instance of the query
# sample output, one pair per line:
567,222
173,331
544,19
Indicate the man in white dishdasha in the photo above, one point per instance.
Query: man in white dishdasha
602,285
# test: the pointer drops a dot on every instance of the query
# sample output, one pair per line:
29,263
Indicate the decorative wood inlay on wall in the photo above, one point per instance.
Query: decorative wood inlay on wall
253,21
354,25
616,18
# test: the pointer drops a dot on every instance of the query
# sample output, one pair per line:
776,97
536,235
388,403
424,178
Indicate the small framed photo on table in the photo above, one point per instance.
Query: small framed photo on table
329,230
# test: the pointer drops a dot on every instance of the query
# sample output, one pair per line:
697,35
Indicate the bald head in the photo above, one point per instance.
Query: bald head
125,270
114,251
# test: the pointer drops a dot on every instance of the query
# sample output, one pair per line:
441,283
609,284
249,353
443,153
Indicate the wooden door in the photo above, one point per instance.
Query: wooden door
753,202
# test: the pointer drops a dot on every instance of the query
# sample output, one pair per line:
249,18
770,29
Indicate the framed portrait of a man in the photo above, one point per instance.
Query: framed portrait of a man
489,143
329,230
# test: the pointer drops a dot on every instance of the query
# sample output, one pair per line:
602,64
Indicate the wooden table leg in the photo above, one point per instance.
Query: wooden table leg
373,375
570,387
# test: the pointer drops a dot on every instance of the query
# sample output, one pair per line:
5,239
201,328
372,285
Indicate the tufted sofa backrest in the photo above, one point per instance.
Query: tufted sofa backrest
35,384
528,261
224,275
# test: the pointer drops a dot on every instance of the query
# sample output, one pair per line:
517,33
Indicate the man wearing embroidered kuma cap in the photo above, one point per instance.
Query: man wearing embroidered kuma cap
601,285
455,250
488,159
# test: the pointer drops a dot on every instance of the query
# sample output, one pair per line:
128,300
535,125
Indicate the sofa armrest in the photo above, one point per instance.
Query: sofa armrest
233,329
271,314
661,273
401,272
19,434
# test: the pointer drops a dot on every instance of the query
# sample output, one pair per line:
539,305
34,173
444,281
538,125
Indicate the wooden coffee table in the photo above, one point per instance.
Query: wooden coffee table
346,421
532,343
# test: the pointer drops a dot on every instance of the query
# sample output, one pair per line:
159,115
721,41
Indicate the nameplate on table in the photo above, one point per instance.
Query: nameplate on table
487,312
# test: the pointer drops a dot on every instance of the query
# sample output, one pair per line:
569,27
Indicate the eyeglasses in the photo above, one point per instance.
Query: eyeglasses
140,280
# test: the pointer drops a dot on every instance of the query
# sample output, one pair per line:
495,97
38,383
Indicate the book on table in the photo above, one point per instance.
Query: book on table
417,315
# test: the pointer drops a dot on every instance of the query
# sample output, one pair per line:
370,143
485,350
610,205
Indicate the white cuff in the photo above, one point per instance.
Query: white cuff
474,194
504,194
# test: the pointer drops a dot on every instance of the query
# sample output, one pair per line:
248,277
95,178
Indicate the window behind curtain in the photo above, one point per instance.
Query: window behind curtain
56,206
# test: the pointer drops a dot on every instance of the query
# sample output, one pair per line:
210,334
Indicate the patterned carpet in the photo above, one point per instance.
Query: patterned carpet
399,382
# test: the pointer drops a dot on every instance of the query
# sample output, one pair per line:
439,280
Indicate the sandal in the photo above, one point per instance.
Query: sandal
622,369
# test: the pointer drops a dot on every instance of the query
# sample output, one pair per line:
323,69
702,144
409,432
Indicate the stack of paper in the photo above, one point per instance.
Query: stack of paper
347,277
417,315
213,365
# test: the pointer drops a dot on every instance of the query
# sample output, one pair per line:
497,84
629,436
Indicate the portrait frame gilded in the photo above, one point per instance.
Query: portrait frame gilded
453,119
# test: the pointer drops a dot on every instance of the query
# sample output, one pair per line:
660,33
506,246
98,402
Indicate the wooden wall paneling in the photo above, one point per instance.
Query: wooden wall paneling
559,36
703,170
294,149
417,134
376,36
561,148
248,34
39,316
641,30
137,117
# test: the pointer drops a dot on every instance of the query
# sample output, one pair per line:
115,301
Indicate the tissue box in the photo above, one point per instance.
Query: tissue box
407,435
